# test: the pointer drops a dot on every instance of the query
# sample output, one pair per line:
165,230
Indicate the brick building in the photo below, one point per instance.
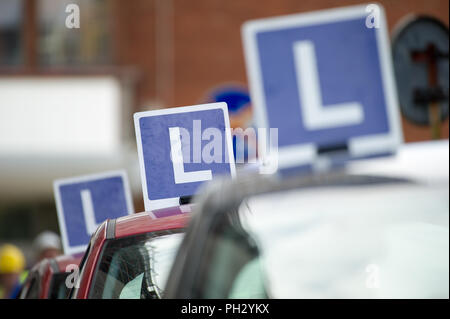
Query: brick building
174,50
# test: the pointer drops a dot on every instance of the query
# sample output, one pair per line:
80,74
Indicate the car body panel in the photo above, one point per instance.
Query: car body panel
143,223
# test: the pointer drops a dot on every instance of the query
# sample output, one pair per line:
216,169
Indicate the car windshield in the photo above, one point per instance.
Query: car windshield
58,288
136,267
366,241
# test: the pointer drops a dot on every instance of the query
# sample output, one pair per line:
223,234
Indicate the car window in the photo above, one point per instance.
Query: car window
26,286
73,292
232,268
33,290
365,241
249,282
132,290
58,287
135,266
374,240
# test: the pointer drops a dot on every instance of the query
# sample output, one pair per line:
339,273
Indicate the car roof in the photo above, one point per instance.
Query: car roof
145,222
49,263
425,162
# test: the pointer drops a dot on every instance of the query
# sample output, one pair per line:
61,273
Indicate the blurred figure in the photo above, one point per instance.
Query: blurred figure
47,245
12,264
240,111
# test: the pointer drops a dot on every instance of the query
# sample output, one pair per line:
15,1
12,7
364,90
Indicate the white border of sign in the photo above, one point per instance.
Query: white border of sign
358,146
175,201
85,178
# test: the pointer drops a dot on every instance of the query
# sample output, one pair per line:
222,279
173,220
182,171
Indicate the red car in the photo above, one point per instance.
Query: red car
47,279
130,257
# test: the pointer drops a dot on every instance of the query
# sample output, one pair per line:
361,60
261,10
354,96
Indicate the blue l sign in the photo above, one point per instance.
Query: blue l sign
180,148
85,202
325,80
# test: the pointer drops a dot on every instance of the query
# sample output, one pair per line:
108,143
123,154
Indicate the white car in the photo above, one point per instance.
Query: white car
378,229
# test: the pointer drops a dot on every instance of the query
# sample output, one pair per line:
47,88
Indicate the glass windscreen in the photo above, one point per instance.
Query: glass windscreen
136,267
11,32
365,241
58,288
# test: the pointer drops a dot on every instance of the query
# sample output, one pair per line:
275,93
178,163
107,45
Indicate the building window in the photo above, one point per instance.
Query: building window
58,45
11,47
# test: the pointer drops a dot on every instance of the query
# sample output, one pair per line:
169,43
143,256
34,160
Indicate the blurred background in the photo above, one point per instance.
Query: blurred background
67,95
